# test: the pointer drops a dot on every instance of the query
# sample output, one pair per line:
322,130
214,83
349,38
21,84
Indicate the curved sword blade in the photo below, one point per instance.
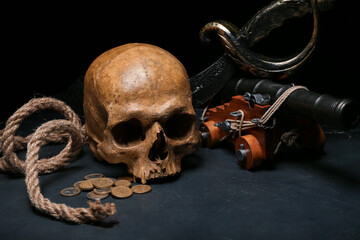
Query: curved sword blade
209,82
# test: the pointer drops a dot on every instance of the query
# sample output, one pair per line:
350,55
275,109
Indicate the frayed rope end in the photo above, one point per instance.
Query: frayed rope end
100,211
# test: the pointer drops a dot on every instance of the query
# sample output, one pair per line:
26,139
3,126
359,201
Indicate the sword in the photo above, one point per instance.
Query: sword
237,44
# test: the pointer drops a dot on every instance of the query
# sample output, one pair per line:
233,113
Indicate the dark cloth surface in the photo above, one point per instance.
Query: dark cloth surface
296,196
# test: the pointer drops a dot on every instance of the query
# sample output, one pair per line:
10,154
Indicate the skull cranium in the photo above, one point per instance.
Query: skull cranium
138,110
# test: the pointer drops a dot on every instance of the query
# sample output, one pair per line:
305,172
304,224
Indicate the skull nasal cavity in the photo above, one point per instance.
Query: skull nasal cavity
128,133
158,151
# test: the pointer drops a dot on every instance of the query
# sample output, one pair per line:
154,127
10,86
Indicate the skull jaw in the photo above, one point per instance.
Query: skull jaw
145,169
142,167
145,162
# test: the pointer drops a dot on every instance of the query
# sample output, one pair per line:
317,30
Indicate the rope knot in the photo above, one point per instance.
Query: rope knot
289,138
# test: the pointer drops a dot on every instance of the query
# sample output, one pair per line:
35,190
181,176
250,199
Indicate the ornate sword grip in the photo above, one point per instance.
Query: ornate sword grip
237,42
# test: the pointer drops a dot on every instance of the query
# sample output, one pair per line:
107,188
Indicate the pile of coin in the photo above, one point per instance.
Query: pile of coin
99,187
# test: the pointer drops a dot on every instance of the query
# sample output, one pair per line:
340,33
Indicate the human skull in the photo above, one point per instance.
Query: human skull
138,110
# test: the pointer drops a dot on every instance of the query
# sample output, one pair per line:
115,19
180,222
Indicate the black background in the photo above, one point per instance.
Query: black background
298,196
47,47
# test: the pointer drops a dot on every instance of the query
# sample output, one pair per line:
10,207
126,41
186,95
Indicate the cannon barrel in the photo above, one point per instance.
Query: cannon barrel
325,109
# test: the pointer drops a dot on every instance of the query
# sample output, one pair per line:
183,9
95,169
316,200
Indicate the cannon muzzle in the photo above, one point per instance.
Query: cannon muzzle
325,109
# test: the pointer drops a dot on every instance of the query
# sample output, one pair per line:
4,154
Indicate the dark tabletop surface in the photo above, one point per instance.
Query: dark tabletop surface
296,196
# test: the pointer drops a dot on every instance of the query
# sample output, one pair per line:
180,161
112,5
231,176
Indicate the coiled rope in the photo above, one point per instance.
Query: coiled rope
54,131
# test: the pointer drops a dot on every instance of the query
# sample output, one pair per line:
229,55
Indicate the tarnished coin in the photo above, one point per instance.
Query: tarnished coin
93,175
94,196
141,188
121,192
100,191
70,191
86,185
77,184
113,179
102,182
128,178
125,183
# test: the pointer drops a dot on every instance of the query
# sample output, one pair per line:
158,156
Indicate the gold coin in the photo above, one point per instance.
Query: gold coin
70,192
128,178
93,196
141,188
86,185
100,191
125,183
102,182
93,175
77,184
121,192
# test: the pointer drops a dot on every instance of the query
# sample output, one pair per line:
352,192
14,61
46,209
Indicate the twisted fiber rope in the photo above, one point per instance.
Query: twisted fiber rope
237,125
69,130
277,104
10,144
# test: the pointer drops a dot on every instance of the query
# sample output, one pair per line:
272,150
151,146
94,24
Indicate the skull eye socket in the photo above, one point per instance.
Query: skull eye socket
179,125
128,133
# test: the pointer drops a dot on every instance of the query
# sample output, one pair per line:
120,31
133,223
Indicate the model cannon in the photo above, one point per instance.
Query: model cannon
295,121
